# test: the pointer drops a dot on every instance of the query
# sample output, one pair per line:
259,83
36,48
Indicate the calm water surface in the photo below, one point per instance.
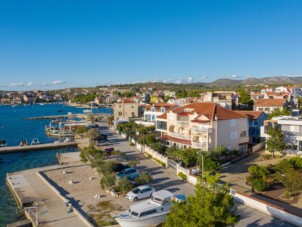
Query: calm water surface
13,128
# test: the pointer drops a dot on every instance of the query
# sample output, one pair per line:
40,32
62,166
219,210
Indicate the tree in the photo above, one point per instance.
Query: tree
291,181
245,98
278,112
257,177
209,206
108,181
91,118
93,134
275,141
158,146
88,153
110,120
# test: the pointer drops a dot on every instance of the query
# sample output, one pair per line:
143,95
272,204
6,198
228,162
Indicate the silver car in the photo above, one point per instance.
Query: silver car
141,192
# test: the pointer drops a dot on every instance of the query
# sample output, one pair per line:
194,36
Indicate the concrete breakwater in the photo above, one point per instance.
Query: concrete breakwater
64,116
13,149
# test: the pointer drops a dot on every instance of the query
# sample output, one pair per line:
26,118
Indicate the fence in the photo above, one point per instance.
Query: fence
258,146
255,203
268,208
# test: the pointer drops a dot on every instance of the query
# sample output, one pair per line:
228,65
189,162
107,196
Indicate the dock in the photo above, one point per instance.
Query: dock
46,146
42,202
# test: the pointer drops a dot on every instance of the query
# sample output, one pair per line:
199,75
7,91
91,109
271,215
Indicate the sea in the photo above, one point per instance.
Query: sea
13,128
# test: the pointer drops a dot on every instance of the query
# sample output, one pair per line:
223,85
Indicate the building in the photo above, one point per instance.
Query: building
256,121
269,105
291,127
204,125
153,111
276,95
227,99
126,109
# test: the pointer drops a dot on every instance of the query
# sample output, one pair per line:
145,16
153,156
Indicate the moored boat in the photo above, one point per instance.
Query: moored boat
35,141
3,143
150,212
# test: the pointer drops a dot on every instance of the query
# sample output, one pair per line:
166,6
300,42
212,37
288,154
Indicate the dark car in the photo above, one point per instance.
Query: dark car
118,167
108,150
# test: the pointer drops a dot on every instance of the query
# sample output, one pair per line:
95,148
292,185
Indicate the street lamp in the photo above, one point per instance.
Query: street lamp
143,147
202,163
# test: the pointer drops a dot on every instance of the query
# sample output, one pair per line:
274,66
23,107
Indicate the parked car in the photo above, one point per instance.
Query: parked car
108,150
103,143
132,177
141,192
126,173
118,167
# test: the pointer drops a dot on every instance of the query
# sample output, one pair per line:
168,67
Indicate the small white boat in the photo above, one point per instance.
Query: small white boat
150,212
3,143
35,141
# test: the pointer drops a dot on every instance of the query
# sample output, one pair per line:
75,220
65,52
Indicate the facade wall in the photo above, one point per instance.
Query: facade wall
267,109
124,111
229,133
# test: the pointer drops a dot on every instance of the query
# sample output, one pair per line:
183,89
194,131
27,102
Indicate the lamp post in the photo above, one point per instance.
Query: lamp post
143,147
202,163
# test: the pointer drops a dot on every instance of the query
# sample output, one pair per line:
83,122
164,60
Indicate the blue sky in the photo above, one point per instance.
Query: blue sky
56,43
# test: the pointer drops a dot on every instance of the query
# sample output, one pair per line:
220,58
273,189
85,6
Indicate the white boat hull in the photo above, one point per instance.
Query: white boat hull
143,222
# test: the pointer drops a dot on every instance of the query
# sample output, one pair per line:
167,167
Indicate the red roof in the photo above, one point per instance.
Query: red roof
127,101
176,140
270,102
163,116
208,109
253,115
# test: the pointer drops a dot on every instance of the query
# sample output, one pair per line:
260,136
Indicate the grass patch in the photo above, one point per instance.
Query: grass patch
101,213
159,162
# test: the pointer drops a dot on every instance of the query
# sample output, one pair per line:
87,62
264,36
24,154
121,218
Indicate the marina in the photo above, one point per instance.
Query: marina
13,158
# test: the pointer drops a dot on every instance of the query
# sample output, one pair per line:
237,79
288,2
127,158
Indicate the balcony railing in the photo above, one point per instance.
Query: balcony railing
201,130
183,123
180,136
200,145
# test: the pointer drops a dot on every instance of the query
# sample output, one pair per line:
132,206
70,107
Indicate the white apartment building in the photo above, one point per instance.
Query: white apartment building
291,127
205,126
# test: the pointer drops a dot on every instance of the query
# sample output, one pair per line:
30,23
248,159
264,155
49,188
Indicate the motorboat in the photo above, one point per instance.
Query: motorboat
3,143
35,141
150,212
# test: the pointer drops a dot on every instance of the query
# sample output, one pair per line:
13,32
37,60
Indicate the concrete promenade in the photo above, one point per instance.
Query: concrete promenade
29,186
49,146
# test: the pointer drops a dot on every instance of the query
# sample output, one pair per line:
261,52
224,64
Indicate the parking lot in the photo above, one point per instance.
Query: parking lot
164,178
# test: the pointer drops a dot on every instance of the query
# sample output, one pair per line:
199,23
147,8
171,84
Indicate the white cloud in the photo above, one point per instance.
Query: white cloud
57,82
234,76
31,84
190,79
202,78
19,84
44,84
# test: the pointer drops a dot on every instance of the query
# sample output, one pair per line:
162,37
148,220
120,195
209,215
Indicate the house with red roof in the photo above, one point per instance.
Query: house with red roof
204,125
269,105
256,120
127,108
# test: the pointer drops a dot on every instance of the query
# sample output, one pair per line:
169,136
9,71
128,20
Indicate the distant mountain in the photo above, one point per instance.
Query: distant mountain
254,81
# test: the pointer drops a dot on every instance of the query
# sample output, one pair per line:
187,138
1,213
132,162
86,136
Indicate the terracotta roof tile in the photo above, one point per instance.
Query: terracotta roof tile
250,114
176,140
127,101
163,116
208,109
270,102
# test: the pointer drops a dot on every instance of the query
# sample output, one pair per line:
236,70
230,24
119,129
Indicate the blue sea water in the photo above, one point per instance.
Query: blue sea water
13,128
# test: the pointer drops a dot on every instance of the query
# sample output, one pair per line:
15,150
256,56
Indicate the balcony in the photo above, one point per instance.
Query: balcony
197,130
202,146
179,136
183,123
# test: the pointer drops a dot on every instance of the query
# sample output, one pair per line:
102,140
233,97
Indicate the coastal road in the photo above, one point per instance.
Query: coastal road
167,179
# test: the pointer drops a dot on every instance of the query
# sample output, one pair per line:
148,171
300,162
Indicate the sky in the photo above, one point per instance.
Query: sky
53,44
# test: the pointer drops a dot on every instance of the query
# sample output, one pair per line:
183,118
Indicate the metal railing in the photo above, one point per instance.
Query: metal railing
180,136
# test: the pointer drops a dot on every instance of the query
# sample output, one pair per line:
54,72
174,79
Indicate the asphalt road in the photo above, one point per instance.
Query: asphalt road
166,179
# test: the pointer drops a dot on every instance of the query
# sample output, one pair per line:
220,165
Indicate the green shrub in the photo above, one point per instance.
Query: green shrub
108,181
159,161
124,185
259,185
131,144
144,178
182,176
266,157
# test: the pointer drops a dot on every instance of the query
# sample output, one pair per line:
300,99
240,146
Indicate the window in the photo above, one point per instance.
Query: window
163,109
120,113
152,109
132,106
120,106
233,122
233,135
148,212
243,134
